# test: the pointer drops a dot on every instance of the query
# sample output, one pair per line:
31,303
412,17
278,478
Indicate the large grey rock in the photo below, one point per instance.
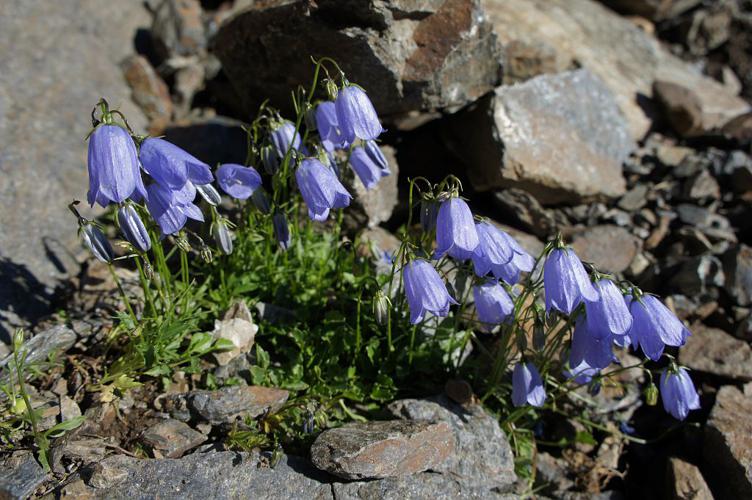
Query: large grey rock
171,438
408,55
483,458
56,60
727,449
627,59
687,481
423,486
714,351
20,476
610,248
560,137
379,449
223,405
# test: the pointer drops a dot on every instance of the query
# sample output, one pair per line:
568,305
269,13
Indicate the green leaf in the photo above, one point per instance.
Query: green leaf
585,437
64,426
262,357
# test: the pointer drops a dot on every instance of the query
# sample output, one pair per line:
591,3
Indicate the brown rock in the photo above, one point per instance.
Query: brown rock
610,248
686,481
714,351
223,405
382,448
737,264
681,106
178,28
739,128
149,91
727,450
172,438
524,60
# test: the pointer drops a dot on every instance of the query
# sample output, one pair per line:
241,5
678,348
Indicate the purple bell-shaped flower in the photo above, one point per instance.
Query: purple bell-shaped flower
114,174
320,188
527,386
172,209
328,127
492,303
590,348
133,228
172,166
356,116
369,163
425,291
238,181
455,230
284,137
493,250
678,393
565,281
281,230
609,315
654,327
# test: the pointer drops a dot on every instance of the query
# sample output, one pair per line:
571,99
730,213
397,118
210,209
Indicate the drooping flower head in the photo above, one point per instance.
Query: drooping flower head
172,209
527,386
369,163
328,126
222,235
356,116
284,137
425,291
678,393
455,230
492,304
114,174
609,315
590,348
95,240
237,180
281,230
209,193
172,166
493,250
320,188
654,326
565,281
133,228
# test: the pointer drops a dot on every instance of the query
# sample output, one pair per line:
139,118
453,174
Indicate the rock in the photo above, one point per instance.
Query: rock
408,55
425,485
560,137
524,60
55,340
69,409
212,140
20,476
200,476
610,248
78,452
551,474
171,438
371,207
57,59
737,263
739,167
702,188
237,326
708,223
681,106
739,44
178,29
727,450
379,449
148,89
686,481
714,351
527,211
670,155
223,405
655,10
696,274
587,32
482,458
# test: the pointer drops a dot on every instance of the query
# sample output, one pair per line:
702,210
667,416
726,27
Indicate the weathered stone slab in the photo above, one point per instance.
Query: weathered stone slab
172,438
714,351
610,248
223,405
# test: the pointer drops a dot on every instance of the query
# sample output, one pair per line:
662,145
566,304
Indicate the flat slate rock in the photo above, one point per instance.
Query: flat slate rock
423,486
712,350
223,405
379,449
172,438
610,248
20,476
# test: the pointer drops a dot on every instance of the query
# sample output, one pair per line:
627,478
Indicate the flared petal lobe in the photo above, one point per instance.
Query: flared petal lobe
590,348
172,166
565,281
527,386
456,234
678,393
654,327
320,188
237,180
328,126
609,315
356,116
114,174
493,250
425,291
492,304
369,163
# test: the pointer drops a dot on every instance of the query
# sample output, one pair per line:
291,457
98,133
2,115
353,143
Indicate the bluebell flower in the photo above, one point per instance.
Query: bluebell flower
320,188
455,230
356,115
172,166
582,373
95,240
591,348
238,181
492,303
283,137
493,250
114,174
654,327
678,393
133,228
565,281
609,315
172,209
527,386
369,163
328,127
425,291
281,230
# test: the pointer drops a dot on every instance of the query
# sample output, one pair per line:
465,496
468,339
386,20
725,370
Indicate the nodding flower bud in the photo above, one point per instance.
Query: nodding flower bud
181,241
651,395
96,241
381,306
269,159
209,193
222,235
18,339
261,200
133,228
281,230
429,211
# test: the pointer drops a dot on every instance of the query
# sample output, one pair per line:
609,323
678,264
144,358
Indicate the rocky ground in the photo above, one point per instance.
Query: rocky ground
627,130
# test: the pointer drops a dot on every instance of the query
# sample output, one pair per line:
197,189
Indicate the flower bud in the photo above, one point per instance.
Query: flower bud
651,394
222,236
521,343
310,118
261,200
539,336
429,212
209,193
96,241
181,241
281,230
269,159
133,228
18,339
381,306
